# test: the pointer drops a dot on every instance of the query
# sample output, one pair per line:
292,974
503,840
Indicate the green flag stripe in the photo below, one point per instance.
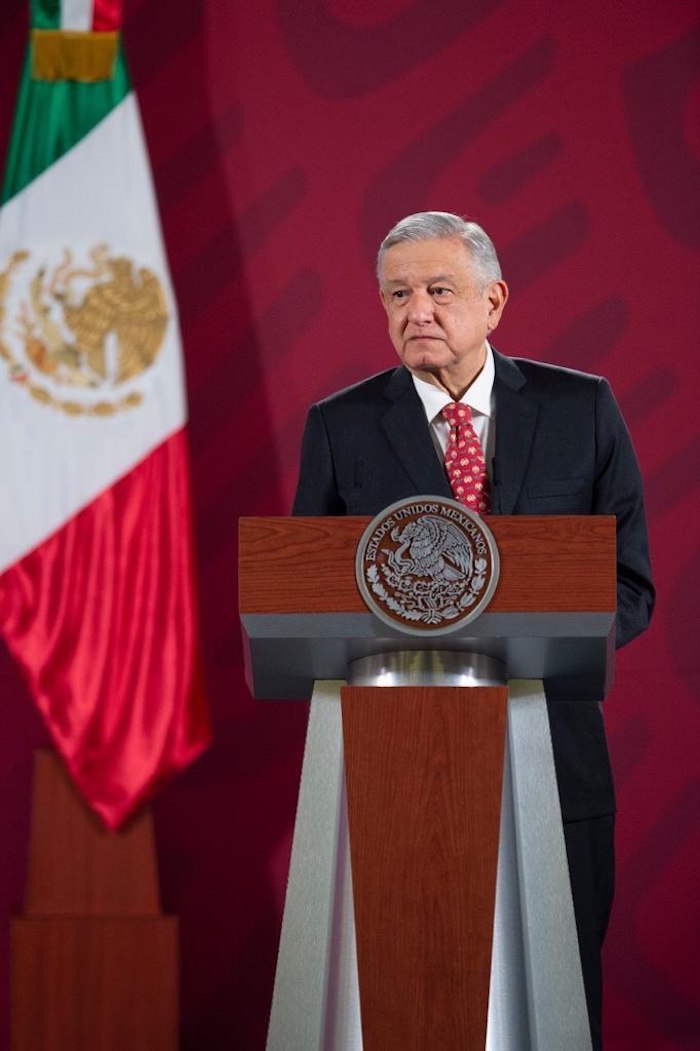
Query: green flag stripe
53,116
45,14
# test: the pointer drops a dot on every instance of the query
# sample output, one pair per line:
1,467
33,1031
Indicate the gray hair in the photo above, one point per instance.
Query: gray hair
426,226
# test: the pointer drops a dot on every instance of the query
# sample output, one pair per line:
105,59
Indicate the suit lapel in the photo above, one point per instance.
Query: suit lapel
516,419
408,432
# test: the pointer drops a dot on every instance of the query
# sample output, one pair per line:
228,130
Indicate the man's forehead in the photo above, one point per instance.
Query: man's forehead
437,259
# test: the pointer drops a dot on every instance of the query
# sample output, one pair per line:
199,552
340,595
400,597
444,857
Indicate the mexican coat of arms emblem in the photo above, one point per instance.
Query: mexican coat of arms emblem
76,332
427,565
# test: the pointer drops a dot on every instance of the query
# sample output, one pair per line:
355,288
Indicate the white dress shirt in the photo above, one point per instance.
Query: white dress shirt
479,397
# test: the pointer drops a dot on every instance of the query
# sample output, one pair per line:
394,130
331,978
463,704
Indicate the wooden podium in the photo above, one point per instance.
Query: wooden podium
447,922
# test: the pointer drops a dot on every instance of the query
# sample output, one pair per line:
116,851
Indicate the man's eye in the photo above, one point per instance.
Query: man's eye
440,290
400,294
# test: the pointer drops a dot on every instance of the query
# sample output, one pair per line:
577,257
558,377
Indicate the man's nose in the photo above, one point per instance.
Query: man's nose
420,307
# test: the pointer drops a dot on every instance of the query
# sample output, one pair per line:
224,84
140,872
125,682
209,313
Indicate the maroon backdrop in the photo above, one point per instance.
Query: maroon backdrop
285,139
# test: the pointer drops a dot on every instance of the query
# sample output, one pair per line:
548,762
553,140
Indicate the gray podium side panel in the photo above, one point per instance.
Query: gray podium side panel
316,1004
536,968
507,1024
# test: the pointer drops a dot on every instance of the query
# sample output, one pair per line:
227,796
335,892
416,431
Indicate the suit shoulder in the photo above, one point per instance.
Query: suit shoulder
556,376
559,389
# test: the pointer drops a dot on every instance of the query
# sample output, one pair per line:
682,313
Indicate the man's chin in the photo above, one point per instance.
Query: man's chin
425,357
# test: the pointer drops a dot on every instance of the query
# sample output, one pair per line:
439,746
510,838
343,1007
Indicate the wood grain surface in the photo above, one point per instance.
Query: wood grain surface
424,773
548,563
94,983
76,865
94,964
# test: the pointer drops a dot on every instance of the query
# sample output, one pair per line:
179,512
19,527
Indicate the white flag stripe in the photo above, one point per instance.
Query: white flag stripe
76,14
70,460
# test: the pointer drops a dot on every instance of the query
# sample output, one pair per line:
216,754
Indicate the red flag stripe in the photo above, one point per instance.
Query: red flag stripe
106,15
101,617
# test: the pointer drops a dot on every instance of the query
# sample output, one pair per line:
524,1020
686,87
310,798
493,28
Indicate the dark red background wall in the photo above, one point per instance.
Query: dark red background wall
285,139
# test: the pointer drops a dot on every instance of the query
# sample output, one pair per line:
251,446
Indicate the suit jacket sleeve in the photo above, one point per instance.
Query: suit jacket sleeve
317,492
618,491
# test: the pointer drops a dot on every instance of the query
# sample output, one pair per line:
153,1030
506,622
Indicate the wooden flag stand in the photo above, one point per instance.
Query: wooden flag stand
94,962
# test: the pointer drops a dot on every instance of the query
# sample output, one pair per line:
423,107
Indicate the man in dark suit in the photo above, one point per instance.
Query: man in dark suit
554,442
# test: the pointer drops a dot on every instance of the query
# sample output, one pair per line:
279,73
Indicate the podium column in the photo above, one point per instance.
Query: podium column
465,927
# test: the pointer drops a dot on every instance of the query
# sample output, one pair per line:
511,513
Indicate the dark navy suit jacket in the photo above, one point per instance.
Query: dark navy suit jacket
562,447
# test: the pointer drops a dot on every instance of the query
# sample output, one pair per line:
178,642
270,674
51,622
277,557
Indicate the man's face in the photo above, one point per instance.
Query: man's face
439,314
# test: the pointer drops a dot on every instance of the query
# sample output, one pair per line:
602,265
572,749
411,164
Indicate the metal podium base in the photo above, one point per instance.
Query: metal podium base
316,1000
537,1000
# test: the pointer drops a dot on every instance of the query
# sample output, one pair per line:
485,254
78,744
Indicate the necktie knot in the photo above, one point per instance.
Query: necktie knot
456,414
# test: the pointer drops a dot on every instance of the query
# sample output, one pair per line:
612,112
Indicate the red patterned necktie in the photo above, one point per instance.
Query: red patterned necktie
464,460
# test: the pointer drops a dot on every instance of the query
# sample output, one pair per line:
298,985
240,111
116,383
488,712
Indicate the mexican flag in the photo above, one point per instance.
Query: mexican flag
96,591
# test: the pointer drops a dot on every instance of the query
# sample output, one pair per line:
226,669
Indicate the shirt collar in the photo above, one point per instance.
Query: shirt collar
477,396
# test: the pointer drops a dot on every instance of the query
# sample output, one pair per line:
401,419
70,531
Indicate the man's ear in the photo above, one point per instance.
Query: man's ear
497,293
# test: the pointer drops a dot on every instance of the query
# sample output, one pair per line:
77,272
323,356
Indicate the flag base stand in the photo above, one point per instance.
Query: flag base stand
94,963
